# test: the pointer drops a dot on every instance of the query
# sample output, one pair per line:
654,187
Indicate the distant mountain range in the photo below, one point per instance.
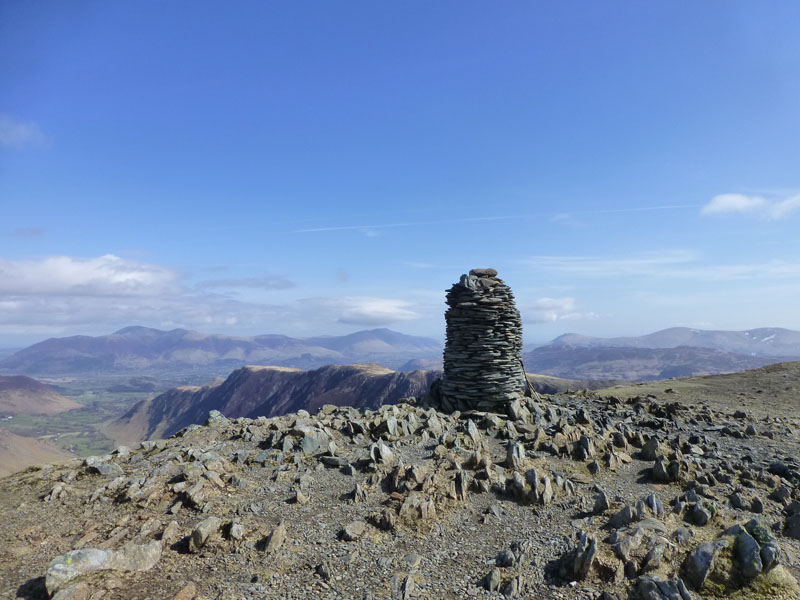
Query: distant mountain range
271,391
674,352
766,341
132,351
638,364
138,349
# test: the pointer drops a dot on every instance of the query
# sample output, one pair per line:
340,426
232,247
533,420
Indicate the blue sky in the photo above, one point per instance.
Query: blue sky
321,167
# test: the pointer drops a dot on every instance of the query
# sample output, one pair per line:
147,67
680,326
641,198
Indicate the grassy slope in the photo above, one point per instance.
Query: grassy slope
773,388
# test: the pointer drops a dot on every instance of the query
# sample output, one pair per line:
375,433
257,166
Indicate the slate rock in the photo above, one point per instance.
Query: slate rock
313,441
666,471
381,453
514,588
108,469
654,558
737,501
171,532
699,514
515,456
492,580
216,418
585,554
759,531
353,531
323,570
202,532
601,503
505,558
770,555
699,563
650,450
622,518
334,461
236,531
682,535
77,591
652,588
748,555
792,527
276,538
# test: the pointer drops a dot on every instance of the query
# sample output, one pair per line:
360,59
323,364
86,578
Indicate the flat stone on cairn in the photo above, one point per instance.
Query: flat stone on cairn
483,353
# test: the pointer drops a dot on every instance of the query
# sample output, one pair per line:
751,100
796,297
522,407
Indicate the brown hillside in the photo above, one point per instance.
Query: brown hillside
21,395
17,452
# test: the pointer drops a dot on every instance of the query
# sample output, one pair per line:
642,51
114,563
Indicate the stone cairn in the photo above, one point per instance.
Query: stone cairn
483,353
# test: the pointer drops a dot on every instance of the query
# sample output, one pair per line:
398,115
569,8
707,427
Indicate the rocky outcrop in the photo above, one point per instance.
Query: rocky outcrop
554,498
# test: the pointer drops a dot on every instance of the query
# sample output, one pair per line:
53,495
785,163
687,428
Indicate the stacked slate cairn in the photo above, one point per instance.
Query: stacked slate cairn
483,352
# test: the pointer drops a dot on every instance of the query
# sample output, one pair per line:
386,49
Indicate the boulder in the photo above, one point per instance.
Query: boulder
70,566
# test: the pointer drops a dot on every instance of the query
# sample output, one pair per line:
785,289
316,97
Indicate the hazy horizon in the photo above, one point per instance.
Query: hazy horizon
317,169
528,342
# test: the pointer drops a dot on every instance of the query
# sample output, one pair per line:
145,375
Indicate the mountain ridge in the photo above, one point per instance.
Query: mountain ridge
139,348
270,391
197,356
639,364
766,341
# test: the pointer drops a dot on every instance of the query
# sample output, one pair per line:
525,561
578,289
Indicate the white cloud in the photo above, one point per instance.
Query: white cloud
62,295
741,203
783,208
107,275
727,203
18,134
69,315
550,310
363,310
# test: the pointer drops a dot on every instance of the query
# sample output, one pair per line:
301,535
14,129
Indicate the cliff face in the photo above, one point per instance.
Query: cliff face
269,391
273,391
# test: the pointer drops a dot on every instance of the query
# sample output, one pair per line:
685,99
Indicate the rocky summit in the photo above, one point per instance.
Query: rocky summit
653,497
483,352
